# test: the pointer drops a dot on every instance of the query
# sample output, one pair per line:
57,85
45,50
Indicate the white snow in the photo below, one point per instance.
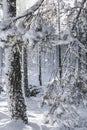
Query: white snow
36,116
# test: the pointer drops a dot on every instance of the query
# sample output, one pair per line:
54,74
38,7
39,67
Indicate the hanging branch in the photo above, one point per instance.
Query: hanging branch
28,12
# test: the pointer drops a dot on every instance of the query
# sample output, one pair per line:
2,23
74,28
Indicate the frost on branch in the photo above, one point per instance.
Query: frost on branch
40,32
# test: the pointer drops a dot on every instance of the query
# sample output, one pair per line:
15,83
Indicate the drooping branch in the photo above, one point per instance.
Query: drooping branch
28,12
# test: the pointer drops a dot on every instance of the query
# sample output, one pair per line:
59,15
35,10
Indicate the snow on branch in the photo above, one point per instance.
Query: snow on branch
7,23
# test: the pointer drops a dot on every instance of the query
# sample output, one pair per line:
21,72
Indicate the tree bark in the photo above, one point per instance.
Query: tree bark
17,102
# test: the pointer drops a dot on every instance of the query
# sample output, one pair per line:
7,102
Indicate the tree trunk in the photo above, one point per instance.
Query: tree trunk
26,87
59,47
79,60
17,102
79,54
40,65
14,78
0,67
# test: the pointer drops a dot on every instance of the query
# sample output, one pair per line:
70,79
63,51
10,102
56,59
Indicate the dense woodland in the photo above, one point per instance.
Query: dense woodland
43,54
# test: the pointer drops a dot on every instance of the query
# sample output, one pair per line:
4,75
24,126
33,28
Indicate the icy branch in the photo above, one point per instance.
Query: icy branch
28,12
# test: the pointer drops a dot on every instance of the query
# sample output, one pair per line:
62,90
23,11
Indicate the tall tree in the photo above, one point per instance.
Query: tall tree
15,91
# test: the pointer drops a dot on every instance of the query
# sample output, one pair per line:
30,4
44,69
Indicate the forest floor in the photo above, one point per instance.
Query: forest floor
34,111
36,116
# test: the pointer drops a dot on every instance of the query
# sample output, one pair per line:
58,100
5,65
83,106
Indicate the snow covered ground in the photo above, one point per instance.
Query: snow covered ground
36,116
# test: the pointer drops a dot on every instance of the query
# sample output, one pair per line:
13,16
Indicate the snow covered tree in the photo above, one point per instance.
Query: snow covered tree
15,91
17,101
77,18
59,100
13,42
21,7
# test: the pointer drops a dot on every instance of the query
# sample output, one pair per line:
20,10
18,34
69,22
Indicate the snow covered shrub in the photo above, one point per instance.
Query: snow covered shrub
78,90
79,93
75,78
76,84
60,110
